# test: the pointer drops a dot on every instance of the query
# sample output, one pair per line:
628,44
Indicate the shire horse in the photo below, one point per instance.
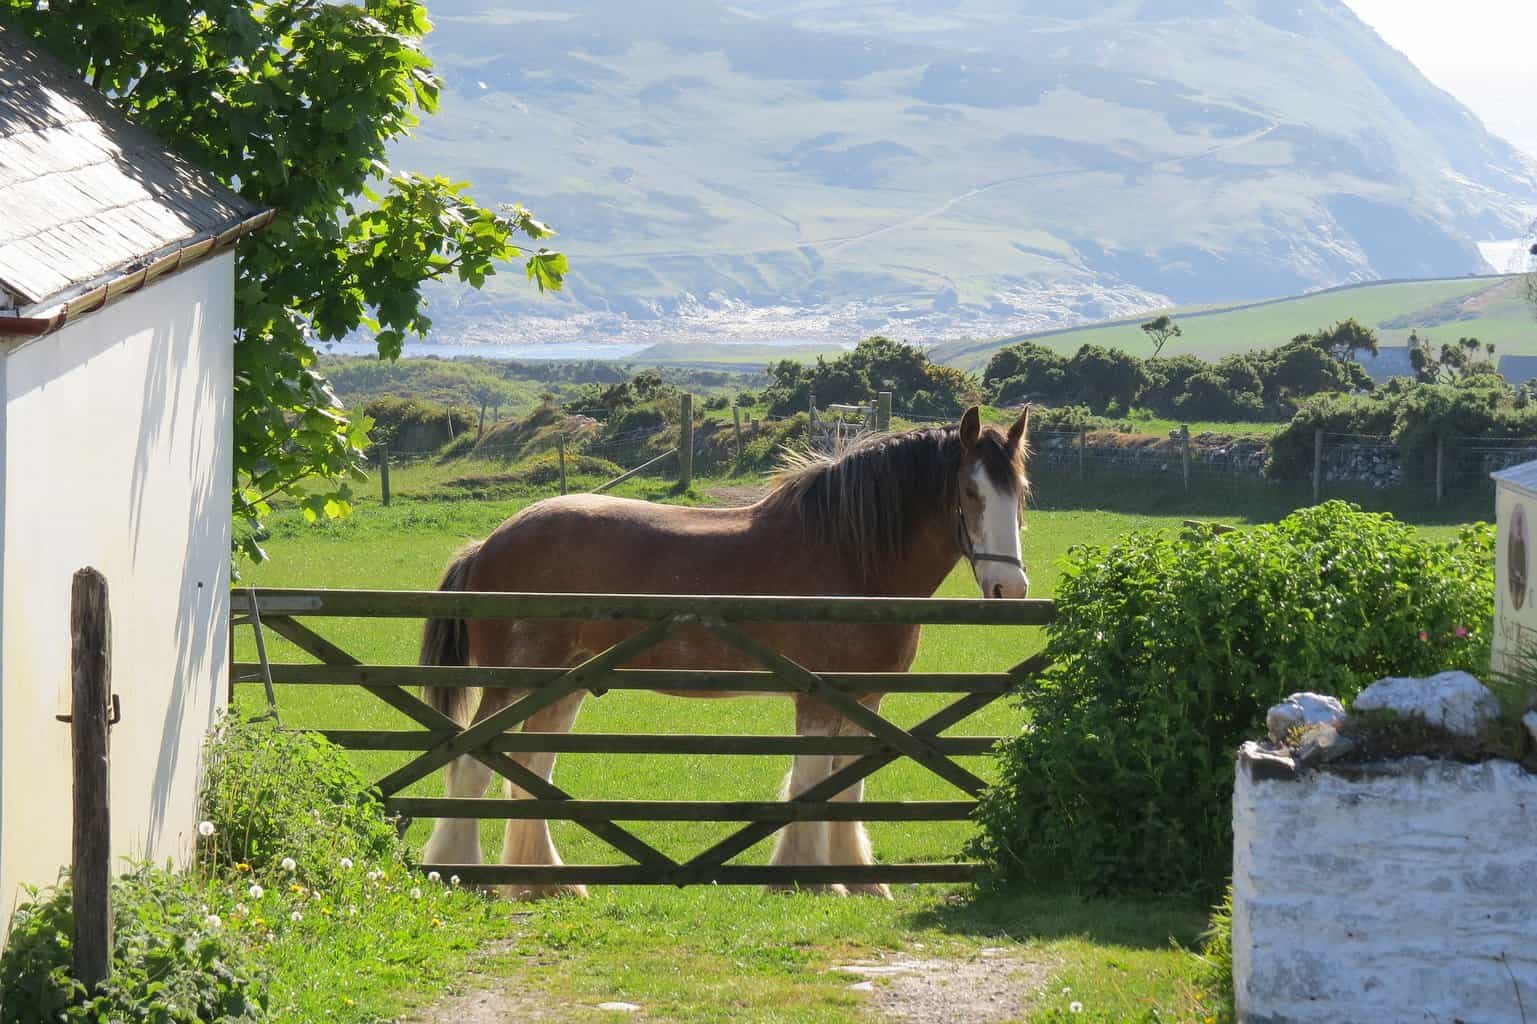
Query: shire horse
890,517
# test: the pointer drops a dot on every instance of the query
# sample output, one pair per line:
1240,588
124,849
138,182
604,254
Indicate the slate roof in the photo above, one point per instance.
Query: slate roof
1518,369
86,196
1389,362
1523,476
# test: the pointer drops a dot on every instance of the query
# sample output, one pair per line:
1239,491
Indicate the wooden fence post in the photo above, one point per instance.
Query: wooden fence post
1184,454
1083,451
686,441
1318,465
736,423
883,410
90,624
384,474
1440,468
560,448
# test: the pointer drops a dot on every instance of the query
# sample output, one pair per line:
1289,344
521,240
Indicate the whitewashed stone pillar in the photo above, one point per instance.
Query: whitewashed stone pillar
1396,892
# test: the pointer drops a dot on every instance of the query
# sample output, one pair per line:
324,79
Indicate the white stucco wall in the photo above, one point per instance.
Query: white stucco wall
1406,894
117,436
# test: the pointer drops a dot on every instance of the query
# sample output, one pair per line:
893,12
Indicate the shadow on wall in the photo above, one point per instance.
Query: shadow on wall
186,435
173,517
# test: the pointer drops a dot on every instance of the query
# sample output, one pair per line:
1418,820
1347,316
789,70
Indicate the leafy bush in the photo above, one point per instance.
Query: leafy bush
1254,386
1165,655
1414,414
274,794
170,965
876,364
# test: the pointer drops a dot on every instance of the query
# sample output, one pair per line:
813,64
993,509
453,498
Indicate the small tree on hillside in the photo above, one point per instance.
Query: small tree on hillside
1531,280
1160,331
1468,358
1345,339
486,390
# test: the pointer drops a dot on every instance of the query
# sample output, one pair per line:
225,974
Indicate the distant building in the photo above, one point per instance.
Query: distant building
1518,369
1389,362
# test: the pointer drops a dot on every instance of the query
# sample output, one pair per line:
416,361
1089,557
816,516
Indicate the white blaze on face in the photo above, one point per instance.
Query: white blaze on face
997,534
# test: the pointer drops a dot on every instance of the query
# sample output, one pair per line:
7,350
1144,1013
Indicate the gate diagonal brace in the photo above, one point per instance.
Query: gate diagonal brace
433,720
837,782
465,741
803,680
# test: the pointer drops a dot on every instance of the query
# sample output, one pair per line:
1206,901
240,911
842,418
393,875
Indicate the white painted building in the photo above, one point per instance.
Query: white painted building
116,370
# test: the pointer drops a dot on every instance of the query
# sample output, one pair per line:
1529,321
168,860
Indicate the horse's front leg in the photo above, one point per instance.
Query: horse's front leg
848,842
806,842
529,841
457,840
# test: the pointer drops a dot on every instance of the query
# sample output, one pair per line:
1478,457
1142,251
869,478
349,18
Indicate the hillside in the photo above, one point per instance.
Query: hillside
814,170
1491,309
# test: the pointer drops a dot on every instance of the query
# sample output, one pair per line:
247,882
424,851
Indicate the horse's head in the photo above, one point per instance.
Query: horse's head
991,492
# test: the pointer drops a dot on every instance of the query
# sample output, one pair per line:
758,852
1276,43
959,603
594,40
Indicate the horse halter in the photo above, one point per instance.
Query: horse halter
963,541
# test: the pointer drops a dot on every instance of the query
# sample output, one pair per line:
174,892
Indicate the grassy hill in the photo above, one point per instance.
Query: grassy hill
1489,308
928,167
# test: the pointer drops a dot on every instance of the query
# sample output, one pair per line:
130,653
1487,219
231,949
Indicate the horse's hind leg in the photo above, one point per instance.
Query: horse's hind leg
529,842
806,842
848,841
457,840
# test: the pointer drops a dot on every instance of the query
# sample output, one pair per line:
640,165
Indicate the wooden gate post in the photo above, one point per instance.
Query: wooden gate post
90,624
883,410
384,474
560,448
1083,446
1440,468
1318,465
686,441
1184,454
736,423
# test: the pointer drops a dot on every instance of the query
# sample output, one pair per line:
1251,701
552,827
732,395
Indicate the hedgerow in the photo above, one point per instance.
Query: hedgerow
297,869
1166,653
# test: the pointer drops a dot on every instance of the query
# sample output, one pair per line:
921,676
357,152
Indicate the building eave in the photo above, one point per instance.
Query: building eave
14,329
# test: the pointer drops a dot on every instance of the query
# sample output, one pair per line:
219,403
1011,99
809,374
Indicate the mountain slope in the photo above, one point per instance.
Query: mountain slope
814,169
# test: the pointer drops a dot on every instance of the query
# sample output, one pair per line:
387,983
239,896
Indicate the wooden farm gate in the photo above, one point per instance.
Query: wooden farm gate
440,740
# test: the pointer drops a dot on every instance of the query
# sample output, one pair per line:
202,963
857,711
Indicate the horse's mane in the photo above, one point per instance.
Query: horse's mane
870,500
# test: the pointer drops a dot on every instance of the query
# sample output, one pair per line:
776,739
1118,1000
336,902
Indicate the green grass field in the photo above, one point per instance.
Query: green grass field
699,954
1491,309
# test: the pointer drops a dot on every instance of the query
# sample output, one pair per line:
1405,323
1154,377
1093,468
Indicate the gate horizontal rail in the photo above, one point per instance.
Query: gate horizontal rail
646,743
629,678
464,604
684,810
438,739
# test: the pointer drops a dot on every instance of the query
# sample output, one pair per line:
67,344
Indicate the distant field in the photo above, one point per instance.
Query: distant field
1489,308
733,358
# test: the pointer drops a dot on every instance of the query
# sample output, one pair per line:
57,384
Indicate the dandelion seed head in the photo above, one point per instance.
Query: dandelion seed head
205,829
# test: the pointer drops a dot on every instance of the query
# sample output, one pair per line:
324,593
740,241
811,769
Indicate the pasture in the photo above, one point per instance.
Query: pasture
695,954
1489,308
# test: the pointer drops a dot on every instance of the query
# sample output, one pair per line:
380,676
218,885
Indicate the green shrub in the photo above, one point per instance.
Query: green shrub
1165,655
1413,414
273,794
171,963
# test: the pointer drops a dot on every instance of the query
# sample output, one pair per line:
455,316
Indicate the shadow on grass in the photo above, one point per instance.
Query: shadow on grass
1249,501
1021,915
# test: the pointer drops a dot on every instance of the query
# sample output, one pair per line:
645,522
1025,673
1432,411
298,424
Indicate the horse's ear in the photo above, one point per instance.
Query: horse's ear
1020,429
971,428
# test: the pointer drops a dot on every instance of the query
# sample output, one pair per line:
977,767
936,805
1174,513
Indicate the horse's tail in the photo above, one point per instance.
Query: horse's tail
447,642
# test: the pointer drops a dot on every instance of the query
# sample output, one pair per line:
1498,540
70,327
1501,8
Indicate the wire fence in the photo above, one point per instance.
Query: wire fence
1383,468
